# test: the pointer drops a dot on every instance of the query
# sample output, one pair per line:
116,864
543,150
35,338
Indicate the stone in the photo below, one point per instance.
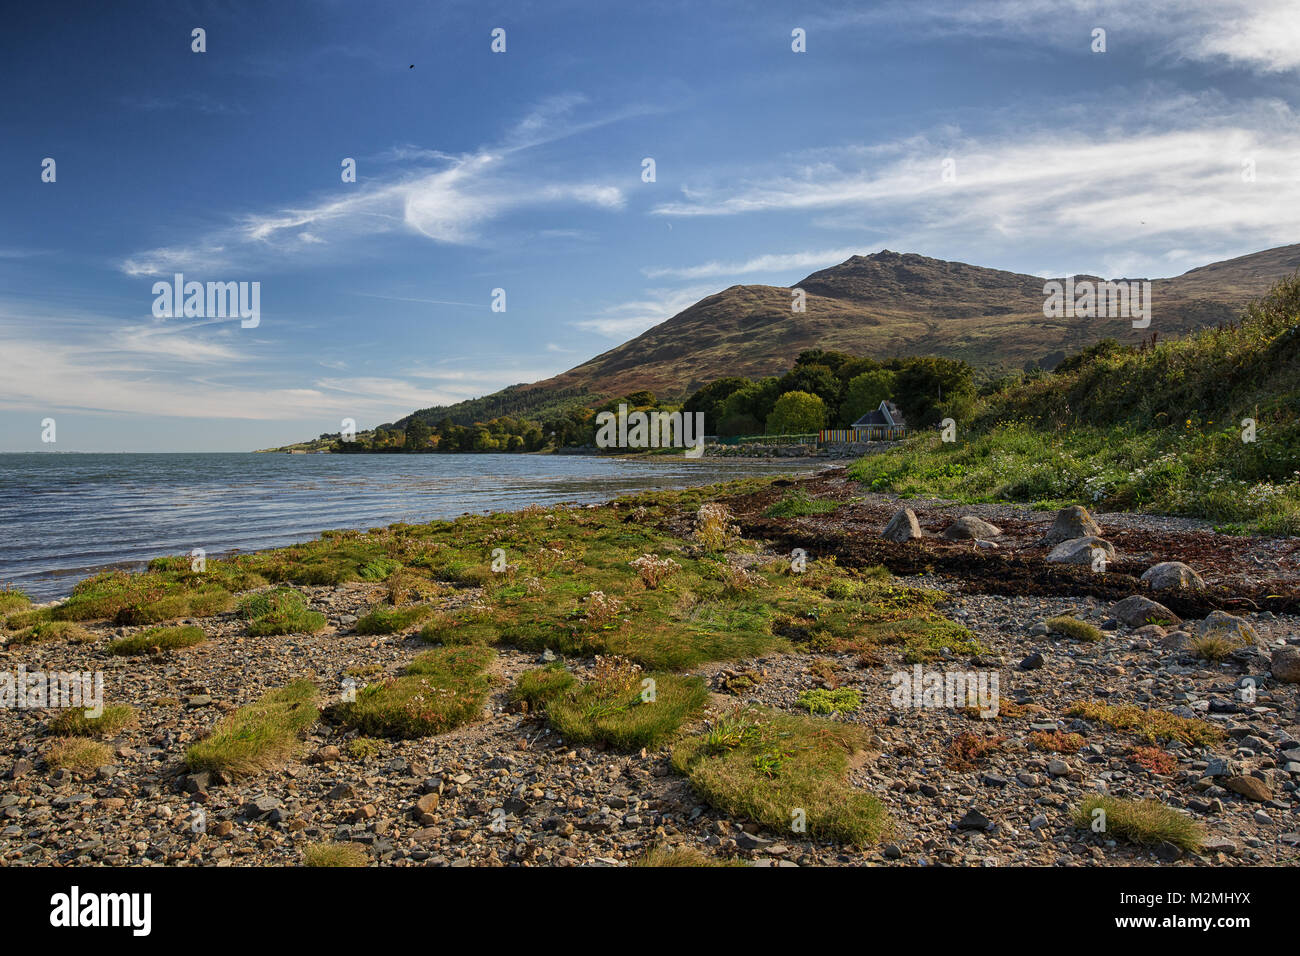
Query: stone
424,807
974,820
327,754
260,805
1175,640
1286,664
1137,611
968,526
1079,551
1172,575
902,527
1071,523
1057,767
1225,626
1032,662
1252,788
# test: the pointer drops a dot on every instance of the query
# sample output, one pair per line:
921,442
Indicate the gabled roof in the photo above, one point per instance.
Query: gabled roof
887,414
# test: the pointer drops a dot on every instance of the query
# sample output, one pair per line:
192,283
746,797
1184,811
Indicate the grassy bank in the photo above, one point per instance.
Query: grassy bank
1158,428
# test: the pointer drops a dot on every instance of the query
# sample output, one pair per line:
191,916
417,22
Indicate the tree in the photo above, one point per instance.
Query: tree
815,379
744,410
709,400
417,435
864,393
926,389
797,413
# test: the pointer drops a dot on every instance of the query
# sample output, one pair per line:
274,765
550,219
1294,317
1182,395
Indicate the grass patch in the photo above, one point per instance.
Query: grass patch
539,686
52,631
1150,725
13,600
1215,647
765,766
78,753
625,712
675,856
159,638
73,722
1072,627
796,504
1141,822
842,700
334,854
438,691
260,735
280,611
390,620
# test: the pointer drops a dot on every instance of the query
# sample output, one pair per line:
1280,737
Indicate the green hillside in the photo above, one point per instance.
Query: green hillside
1159,426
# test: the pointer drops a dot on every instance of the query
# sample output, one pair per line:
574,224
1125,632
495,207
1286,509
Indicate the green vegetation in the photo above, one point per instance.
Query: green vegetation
438,691
168,590
73,721
1143,822
12,600
78,753
1072,627
362,748
1150,725
42,631
797,413
280,611
1056,741
334,854
259,736
159,638
390,620
539,686
1215,647
796,504
619,708
842,700
1159,428
674,856
783,770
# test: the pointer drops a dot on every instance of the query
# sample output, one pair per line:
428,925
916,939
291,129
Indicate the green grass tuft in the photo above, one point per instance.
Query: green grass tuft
280,611
1072,627
258,736
1142,822
439,691
73,722
162,638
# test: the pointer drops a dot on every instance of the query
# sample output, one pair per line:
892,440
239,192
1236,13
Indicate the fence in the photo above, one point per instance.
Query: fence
808,439
834,436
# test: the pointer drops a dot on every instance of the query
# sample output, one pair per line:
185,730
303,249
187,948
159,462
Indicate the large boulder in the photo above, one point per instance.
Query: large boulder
1071,523
1171,575
1136,611
1079,551
902,527
1286,664
968,526
1232,628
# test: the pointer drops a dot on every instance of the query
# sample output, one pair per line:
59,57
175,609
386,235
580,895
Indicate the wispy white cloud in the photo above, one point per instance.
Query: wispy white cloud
631,318
452,204
767,263
1260,36
1128,181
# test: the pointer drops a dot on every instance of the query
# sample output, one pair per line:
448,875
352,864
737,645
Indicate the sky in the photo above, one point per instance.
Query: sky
993,133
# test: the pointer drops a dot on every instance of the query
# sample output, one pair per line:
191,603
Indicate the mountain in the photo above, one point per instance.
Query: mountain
880,305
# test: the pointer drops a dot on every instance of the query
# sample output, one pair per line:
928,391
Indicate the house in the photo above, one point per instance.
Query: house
884,423
887,415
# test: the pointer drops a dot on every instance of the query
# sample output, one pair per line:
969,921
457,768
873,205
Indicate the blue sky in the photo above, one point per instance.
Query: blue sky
522,170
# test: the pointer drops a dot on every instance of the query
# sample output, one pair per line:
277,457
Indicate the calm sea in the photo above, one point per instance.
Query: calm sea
65,516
